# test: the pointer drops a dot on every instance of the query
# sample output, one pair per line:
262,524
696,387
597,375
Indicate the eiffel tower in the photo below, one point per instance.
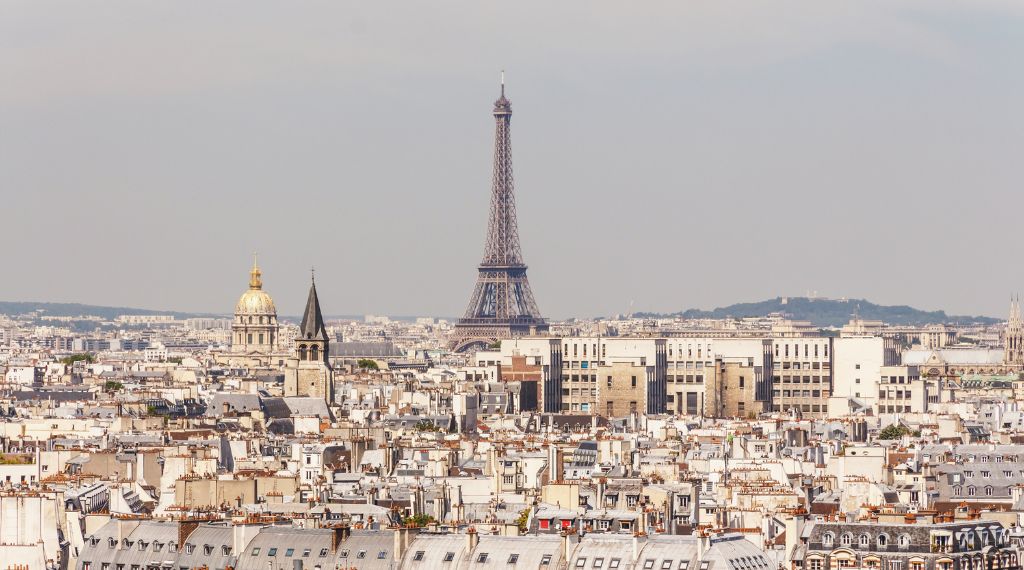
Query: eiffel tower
502,305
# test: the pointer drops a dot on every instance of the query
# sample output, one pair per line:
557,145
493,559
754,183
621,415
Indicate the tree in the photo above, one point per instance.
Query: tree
112,386
368,364
420,520
894,431
496,345
425,425
524,517
84,356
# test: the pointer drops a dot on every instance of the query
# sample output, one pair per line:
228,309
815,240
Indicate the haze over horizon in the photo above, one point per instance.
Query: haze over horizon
669,155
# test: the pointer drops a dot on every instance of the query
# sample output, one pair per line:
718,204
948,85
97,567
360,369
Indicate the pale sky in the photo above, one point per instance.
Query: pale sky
668,154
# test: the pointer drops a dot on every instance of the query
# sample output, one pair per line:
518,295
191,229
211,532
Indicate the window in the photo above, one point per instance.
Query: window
255,551
666,565
344,553
904,540
207,549
418,556
648,564
865,540
382,555
827,539
482,558
272,552
449,556
815,564
581,562
846,539
683,564
360,554
598,562
289,552
513,558
883,540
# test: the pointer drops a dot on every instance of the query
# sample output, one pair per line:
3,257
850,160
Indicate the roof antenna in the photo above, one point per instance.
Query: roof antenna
312,274
502,82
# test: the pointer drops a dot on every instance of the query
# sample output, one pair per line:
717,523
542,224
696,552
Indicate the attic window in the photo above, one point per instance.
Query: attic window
344,553
418,556
598,562
482,558
648,564
382,555
684,564
614,563
449,556
545,560
513,558
666,565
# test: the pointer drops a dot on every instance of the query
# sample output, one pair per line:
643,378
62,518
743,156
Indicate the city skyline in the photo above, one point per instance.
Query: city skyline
168,164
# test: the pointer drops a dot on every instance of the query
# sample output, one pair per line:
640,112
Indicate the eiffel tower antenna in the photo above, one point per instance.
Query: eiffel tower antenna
502,304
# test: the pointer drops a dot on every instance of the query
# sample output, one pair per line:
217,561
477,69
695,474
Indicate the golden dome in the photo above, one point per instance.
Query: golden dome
255,301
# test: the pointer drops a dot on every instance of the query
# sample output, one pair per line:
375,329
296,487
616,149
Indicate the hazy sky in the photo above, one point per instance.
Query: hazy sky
670,154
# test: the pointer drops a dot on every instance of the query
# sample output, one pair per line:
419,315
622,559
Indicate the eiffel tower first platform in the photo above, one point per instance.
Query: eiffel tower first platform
502,305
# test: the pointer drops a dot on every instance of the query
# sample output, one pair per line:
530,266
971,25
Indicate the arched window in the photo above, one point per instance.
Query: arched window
988,490
864,541
314,353
846,539
904,540
957,490
883,540
828,539
971,491
302,352
250,320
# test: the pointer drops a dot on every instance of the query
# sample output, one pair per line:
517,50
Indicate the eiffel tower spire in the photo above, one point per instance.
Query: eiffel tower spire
502,305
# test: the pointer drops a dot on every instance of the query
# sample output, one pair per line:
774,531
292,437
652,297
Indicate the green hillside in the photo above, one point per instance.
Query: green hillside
830,312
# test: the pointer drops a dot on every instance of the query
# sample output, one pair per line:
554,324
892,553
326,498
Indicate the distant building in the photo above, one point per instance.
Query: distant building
254,329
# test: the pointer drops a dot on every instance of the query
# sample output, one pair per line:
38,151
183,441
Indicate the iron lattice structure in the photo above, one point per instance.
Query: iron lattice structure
502,304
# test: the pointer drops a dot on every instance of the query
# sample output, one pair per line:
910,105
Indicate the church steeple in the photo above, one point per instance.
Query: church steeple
312,344
1014,334
312,319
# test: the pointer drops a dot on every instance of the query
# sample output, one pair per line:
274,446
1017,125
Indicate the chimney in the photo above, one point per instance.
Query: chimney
472,539
341,534
567,545
695,501
703,543
403,536
185,528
